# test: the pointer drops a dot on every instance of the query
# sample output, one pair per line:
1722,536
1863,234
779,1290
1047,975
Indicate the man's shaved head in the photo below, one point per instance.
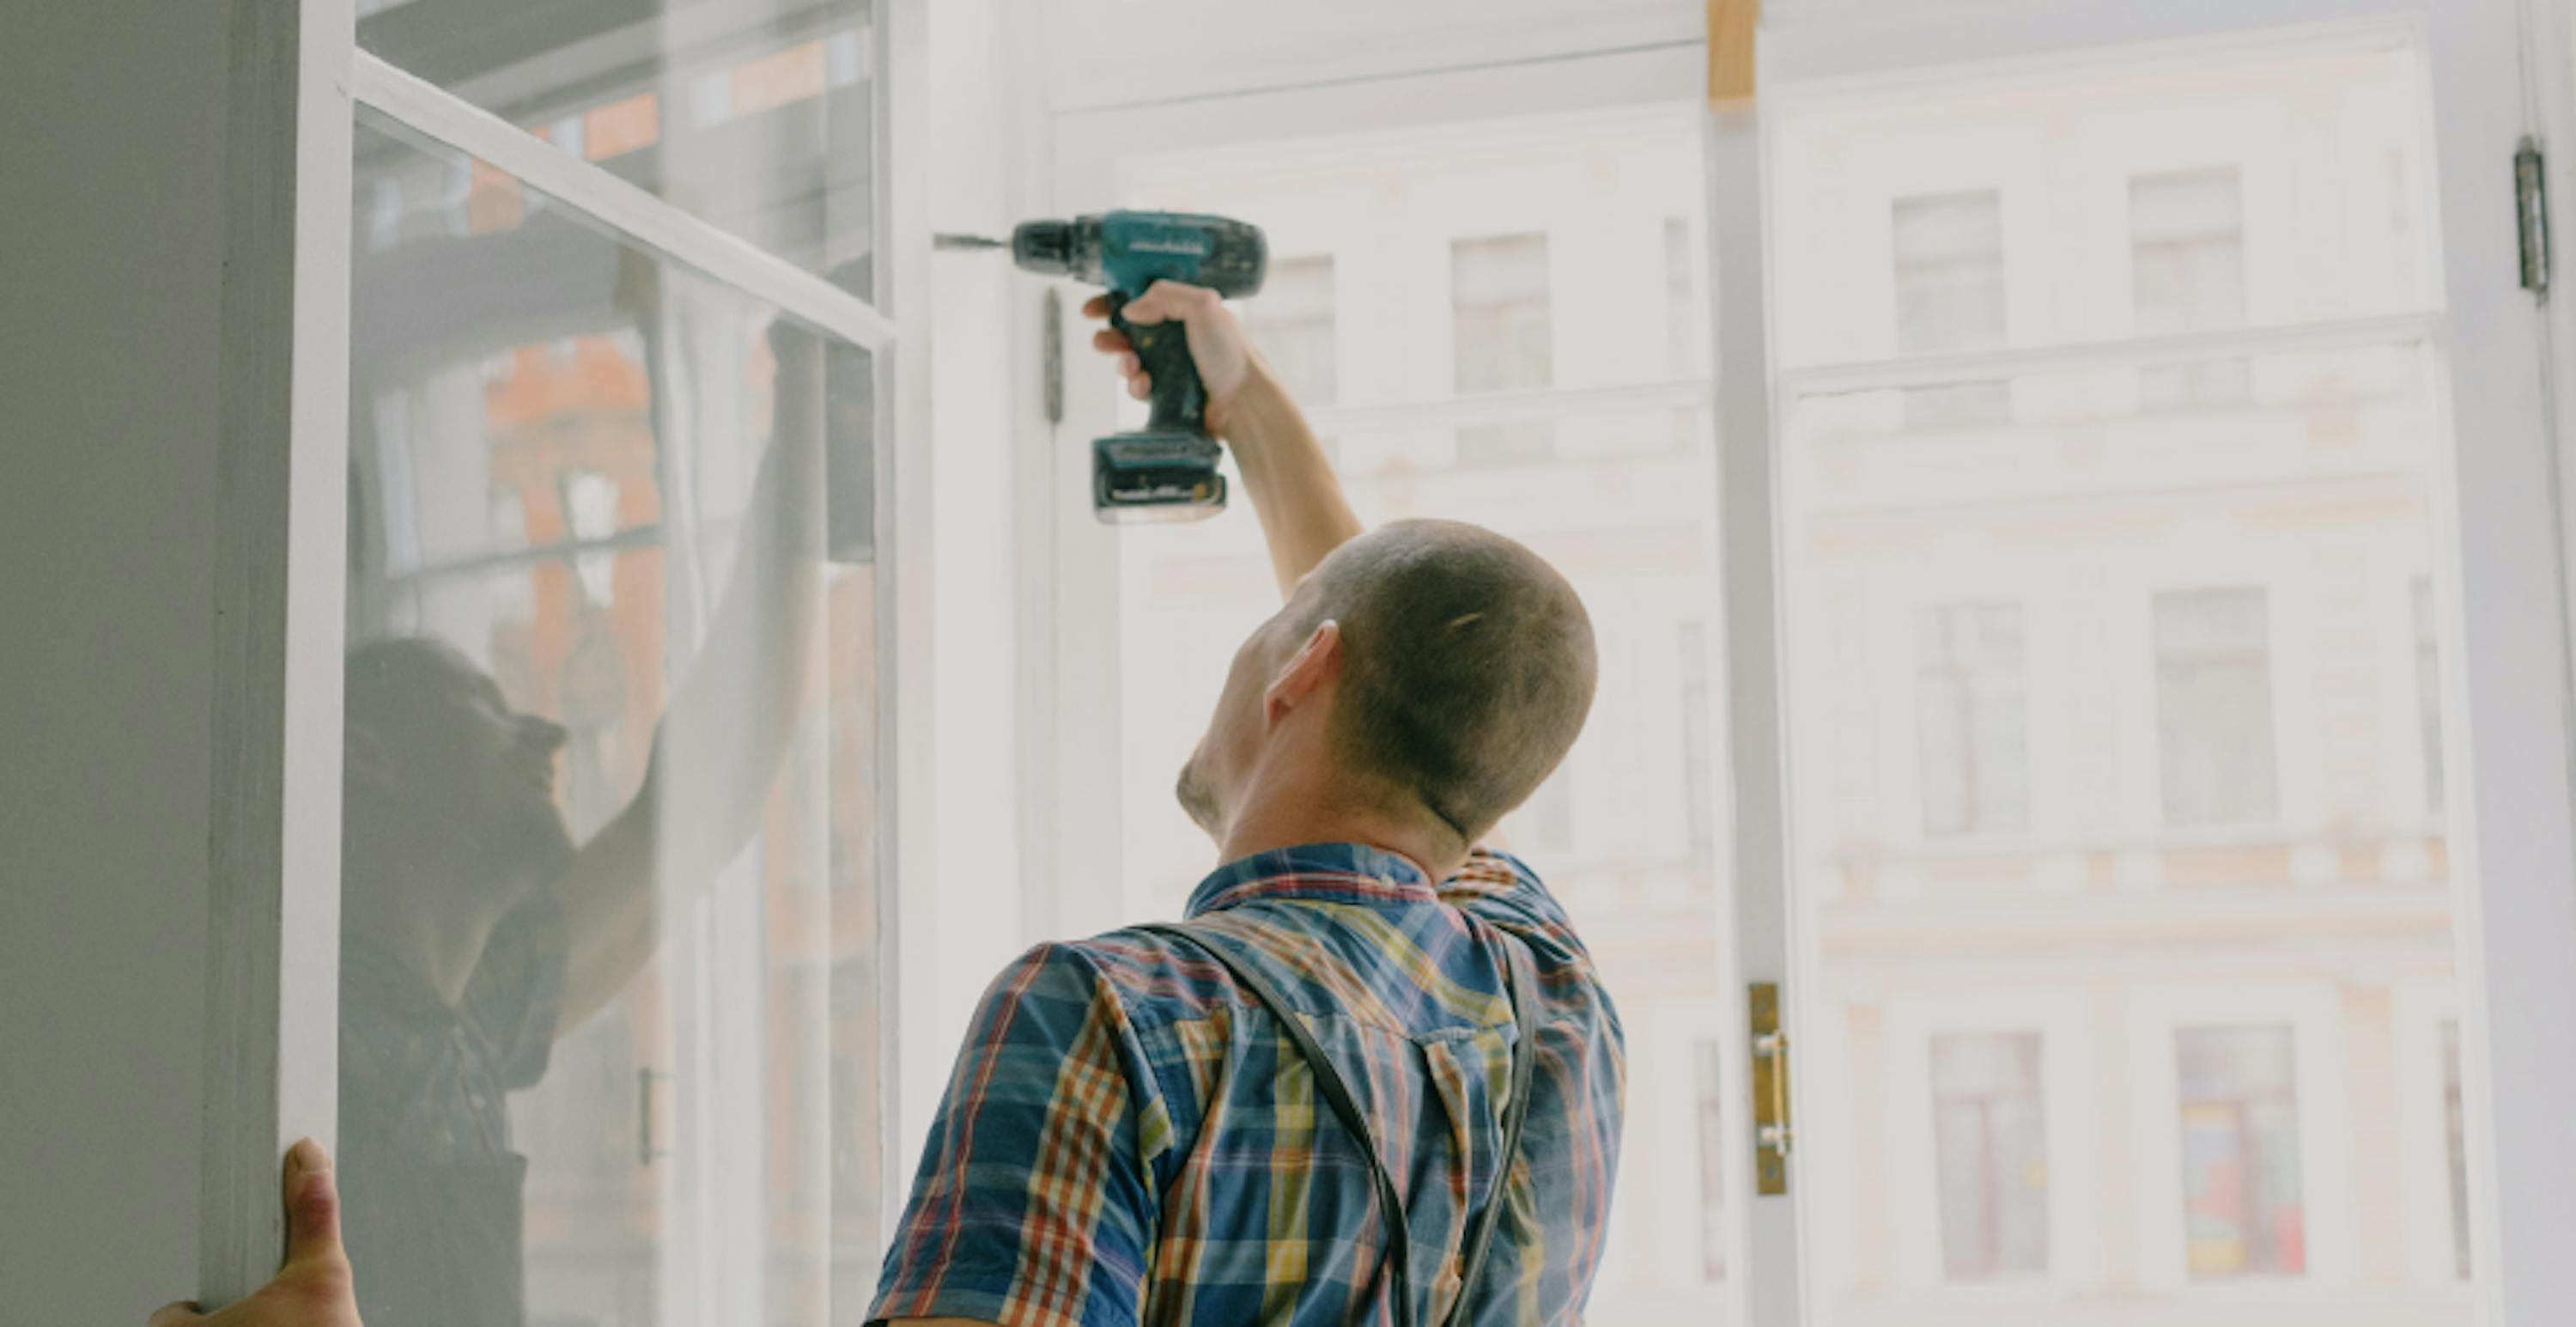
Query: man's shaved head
1467,670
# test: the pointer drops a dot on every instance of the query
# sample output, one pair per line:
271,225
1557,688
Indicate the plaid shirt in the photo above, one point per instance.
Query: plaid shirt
1128,1138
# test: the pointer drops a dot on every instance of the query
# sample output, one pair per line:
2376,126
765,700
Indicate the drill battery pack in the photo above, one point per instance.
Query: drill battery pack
1156,476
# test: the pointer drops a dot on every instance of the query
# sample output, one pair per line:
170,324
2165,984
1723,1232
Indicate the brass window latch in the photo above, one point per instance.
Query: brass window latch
1772,1131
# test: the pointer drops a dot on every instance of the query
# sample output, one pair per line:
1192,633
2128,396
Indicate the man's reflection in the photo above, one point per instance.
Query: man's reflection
452,975
475,931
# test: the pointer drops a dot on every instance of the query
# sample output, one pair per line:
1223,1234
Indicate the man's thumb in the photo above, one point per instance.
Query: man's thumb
312,1205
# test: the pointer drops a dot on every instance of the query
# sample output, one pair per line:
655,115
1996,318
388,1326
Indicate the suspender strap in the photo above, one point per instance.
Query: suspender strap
1523,986
1345,1107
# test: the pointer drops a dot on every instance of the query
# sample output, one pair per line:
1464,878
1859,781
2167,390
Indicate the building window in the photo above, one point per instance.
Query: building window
1292,320
1990,1145
2456,1148
2243,1214
1685,313
2428,694
1498,299
1708,1064
1500,319
1949,254
2187,274
1972,711
2214,706
1699,790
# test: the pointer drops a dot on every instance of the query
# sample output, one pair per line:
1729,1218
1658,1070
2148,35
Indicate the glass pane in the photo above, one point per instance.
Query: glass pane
756,115
611,1017
2162,826
2046,208
1457,257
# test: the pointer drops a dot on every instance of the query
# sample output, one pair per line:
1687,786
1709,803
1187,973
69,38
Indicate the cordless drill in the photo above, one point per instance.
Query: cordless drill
1167,472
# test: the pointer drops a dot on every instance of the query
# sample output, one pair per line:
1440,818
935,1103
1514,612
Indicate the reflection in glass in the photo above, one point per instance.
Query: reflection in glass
610,1005
756,115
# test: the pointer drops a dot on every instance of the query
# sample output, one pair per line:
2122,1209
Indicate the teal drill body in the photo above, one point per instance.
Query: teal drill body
1168,471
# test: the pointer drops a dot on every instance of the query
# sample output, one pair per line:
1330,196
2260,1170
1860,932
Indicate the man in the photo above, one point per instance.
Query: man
1129,1136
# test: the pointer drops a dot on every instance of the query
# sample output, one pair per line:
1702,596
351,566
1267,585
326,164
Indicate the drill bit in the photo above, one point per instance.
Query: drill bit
949,241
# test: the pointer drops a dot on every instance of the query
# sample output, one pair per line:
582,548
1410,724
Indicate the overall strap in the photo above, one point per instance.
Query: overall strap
1522,985
1345,1107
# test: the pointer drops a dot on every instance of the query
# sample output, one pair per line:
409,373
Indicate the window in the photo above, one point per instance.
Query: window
1949,253
1990,1154
1685,313
1499,306
1708,1066
2243,1212
1292,321
1699,793
2428,692
1499,309
2455,1148
2214,706
1972,718
2187,274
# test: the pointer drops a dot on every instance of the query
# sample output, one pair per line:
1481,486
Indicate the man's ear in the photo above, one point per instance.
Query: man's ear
1315,662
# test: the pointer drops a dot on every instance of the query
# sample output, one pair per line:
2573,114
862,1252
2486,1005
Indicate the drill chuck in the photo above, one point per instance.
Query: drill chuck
1045,247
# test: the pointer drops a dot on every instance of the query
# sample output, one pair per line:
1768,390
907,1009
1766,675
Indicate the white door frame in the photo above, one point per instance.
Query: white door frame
2498,560
272,1011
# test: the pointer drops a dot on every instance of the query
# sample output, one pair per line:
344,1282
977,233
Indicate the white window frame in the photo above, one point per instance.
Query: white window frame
299,81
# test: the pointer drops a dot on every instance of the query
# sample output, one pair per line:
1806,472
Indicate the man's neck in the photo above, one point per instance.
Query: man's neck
1284,821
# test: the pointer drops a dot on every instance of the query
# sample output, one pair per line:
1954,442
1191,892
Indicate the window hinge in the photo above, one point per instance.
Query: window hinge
1772,1134
2531,207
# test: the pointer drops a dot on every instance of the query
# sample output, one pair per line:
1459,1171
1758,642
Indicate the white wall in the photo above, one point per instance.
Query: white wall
112,138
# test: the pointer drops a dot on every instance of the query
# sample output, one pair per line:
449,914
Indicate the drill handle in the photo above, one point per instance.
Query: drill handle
1179,396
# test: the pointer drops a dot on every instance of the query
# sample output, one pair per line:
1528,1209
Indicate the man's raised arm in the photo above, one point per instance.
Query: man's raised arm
1294,491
